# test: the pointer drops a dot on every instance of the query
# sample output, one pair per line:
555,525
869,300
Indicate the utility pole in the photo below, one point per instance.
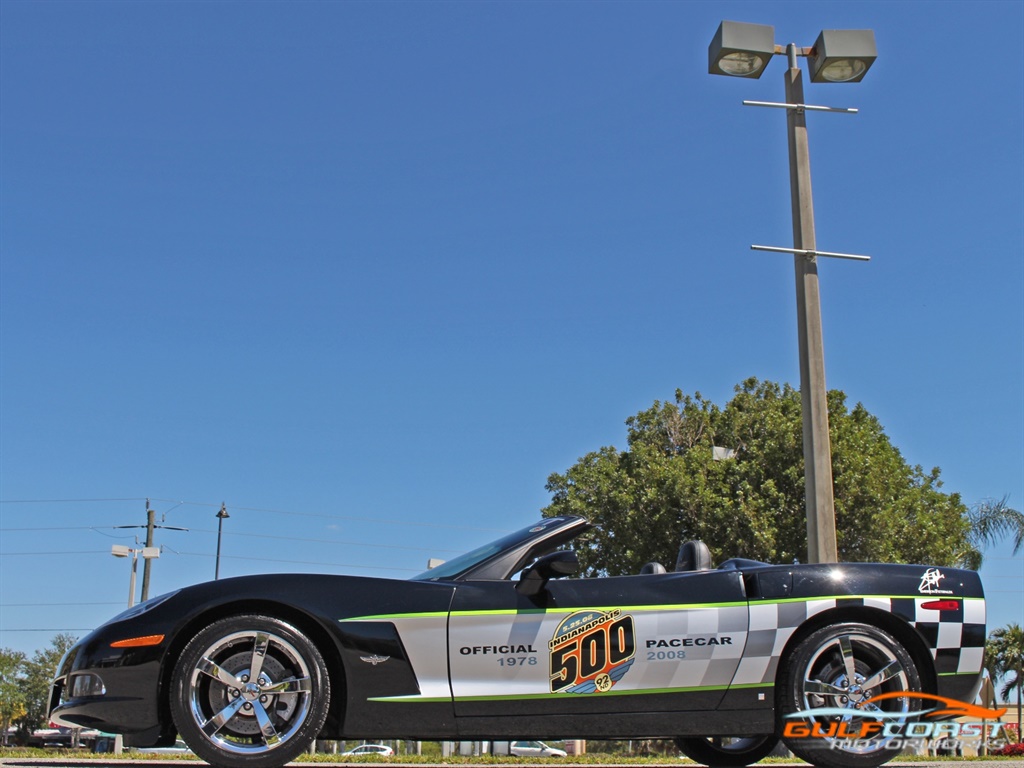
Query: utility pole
150,524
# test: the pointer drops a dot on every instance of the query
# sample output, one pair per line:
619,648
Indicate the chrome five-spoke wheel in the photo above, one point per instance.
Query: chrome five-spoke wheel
249,691
829,683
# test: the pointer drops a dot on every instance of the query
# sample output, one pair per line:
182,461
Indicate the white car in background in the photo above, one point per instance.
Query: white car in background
534,749
371,749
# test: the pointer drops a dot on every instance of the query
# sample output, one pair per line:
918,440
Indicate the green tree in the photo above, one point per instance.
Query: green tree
12,698
667,487
1004,657
38,674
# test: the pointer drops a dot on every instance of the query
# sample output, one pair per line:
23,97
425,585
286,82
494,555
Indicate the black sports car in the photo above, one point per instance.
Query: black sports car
250,670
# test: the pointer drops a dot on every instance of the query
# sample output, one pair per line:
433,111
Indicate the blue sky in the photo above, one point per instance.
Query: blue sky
369,272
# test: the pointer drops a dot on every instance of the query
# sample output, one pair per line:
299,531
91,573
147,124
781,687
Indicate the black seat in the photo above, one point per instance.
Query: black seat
652,567
694,556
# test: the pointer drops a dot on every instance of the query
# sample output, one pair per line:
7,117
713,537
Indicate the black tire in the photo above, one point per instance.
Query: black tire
232,720
816,675
727,752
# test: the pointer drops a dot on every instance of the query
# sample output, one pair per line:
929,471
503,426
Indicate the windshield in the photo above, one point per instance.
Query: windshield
465,562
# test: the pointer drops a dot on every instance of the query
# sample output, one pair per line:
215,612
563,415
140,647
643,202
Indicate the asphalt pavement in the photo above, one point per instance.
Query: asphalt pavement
58,762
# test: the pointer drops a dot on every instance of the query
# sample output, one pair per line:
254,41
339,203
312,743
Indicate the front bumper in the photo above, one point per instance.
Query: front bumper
115,690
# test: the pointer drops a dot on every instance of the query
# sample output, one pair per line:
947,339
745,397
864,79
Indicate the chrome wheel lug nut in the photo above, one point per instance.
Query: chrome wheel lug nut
248,705
263,698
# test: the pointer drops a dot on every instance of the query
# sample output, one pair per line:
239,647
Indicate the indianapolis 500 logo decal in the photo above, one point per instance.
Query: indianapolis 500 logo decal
591,651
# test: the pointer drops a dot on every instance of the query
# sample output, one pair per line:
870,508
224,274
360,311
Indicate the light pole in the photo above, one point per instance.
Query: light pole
148,553
838,56
221,517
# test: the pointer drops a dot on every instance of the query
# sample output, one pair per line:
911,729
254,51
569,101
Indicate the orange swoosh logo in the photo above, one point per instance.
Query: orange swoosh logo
953,707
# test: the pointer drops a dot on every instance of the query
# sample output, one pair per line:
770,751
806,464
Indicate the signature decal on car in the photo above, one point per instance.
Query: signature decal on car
930,583
591,650
375,659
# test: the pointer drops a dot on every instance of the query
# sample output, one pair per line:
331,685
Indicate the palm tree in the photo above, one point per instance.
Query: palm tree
990,522
1004,653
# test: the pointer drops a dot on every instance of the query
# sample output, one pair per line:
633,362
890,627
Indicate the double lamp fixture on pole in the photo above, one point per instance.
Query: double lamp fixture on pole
148,553
838,56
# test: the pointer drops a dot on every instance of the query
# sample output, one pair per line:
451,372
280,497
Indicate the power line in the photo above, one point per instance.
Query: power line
291,513
49,605
63,528
73,629
233,534
36,554
350,518
225,557
62,501
301,562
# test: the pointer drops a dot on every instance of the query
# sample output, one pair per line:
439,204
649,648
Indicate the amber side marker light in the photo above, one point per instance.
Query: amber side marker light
138,642
941,605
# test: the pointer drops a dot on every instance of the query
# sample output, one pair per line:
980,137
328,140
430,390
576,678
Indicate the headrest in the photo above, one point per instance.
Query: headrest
652,567
694,556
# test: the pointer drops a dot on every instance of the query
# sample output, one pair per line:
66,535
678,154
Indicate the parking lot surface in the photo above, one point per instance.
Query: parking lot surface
56,762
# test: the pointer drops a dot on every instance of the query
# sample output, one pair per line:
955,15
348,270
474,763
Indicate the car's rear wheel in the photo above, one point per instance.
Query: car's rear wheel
726,752
250,692
838,670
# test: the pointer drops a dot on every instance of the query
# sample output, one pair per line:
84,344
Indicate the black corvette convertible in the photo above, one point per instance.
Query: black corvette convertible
250,670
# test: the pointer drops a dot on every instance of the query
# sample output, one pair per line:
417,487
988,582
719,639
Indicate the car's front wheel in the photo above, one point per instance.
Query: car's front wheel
827,689
250,692
725,752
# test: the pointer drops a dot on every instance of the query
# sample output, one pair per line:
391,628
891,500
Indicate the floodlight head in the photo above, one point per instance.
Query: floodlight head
120,550
842,55
150,553
740,49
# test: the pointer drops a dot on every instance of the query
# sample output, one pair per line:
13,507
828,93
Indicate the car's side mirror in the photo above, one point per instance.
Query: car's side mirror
551,566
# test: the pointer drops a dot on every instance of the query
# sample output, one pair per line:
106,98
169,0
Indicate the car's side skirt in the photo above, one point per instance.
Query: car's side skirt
647,725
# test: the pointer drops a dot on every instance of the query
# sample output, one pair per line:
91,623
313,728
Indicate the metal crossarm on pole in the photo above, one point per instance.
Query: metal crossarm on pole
802,107
810,253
